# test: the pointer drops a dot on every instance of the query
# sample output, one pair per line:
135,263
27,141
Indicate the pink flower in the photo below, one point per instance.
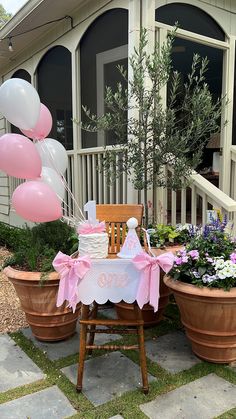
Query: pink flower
178,261
194,254
181,260
233,257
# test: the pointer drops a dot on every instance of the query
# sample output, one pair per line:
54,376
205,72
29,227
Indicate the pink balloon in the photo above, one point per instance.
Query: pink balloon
19,157
43,126
36,201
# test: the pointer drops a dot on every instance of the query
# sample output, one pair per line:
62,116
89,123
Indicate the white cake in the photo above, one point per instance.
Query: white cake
95,245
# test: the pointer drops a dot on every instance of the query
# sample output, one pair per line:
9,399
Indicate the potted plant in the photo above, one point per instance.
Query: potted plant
31,272
203,280
162,238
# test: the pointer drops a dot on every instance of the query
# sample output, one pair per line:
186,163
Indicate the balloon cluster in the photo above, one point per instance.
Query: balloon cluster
41,162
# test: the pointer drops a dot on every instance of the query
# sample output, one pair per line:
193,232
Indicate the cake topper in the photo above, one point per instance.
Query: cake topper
131,246
91,225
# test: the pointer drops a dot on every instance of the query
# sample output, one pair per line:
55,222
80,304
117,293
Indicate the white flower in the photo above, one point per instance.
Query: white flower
225,269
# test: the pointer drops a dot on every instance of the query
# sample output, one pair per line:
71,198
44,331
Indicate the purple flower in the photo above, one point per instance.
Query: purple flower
196,274
207,279
210,260
179,260
233,257
206,231
194,254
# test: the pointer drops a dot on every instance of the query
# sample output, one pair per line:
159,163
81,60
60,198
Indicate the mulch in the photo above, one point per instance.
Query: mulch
12,318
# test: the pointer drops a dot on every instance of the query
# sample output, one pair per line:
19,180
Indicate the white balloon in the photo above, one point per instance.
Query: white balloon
53,154
54,180
19,103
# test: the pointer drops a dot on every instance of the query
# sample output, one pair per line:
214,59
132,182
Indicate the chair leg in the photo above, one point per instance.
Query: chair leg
82,347
142,352
92,329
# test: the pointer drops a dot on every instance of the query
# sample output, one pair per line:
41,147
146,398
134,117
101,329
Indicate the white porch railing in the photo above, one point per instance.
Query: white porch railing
190,205
233,172
93,182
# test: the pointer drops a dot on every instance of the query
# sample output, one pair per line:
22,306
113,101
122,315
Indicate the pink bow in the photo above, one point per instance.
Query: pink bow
71,272
148,290
88,228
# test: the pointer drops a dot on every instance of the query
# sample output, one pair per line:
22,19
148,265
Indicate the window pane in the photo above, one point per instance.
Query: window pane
107,32
55,90
112,76
182,56
190,18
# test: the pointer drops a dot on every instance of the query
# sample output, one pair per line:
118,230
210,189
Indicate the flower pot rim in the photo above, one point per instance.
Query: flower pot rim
175,248
28,275
180,286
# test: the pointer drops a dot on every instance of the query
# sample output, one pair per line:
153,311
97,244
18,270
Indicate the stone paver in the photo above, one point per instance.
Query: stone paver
204,398
110,312
107,376
172,352
117,417
49,403
16,368
61,349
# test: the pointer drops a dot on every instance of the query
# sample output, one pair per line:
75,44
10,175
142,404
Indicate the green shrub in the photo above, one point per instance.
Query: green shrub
12,237
38,246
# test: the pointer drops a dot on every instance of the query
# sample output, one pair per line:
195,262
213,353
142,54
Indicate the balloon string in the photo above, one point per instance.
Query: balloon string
148,242
65,184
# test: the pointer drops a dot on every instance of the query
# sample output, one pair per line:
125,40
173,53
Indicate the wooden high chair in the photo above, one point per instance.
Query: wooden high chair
116,217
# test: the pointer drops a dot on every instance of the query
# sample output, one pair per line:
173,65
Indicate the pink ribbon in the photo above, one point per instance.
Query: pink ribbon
71,272
148,290
88,228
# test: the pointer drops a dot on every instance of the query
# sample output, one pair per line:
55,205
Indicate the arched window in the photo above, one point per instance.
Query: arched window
20,74
196,20
190,18
103,47
55,91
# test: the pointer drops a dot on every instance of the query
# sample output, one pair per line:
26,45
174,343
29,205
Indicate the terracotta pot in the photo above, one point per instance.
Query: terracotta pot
47,322
209,317
125,311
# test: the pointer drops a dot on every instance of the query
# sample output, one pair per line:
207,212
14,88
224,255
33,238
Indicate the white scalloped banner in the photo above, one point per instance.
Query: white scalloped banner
109,279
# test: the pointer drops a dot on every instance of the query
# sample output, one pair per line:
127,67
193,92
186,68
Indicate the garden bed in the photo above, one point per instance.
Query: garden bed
12,317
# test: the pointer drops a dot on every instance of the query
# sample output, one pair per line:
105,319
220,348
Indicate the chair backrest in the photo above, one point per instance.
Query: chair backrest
116,216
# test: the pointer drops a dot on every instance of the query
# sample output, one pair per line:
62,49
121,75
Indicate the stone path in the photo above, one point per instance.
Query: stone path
204,398
113,372
108,377
16,368
49,403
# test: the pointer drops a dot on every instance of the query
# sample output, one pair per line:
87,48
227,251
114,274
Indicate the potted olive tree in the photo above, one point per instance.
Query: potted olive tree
31,272
150,134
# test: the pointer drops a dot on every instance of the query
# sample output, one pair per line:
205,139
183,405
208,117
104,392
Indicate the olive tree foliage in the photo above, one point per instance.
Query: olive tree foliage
149,133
